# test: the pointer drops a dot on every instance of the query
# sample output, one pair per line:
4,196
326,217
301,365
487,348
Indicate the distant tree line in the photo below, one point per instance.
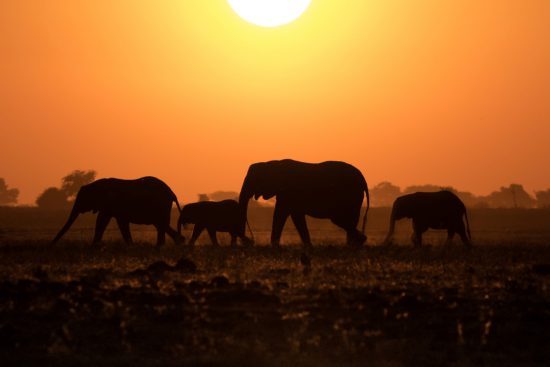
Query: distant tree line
62,197
7,196
513,196
382,195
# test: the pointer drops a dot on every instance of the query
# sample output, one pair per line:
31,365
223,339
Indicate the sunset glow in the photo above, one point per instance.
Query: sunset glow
449,93
269,13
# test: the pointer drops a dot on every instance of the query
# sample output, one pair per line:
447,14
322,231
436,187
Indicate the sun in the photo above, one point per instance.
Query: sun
269,13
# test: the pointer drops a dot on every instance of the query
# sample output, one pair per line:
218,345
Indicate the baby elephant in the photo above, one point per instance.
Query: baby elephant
437,210
214,216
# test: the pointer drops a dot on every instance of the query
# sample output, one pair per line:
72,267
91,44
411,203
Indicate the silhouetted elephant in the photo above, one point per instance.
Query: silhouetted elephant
332,190
214,216
437,210
146,200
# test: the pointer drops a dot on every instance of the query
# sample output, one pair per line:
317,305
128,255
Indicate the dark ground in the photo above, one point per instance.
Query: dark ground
399,306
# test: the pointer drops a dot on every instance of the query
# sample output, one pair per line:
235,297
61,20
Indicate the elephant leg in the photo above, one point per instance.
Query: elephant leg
233,239
301,226
246,241
197,230
462,233
353,236
213,237
100,225
416,237
178,238
124,227
279,218
161,235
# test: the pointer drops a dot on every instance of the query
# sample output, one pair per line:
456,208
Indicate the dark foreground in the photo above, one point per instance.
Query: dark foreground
399,306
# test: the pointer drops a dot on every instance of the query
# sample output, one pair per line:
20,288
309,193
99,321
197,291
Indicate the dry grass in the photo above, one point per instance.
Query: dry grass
74,304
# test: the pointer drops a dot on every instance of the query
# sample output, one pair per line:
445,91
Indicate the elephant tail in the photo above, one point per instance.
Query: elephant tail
177,204
175,200
368,206
467,225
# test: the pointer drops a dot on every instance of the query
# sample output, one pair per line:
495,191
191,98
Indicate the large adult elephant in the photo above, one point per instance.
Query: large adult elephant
437,210
332,190
146,200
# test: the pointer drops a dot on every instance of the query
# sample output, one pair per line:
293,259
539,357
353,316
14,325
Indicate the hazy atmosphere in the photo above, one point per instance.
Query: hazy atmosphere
439,92
275,183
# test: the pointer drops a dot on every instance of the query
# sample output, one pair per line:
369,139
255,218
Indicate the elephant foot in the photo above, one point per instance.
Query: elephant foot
416,241
247,241
98,244
357,240
179,240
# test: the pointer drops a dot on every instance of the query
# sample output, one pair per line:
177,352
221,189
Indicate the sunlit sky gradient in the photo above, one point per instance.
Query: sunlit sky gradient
444,92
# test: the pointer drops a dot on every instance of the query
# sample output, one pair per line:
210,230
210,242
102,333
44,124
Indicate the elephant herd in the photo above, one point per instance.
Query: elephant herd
330,190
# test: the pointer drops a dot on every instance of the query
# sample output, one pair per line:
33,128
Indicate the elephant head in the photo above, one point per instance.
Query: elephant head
264,179
92,197
403,207
186,217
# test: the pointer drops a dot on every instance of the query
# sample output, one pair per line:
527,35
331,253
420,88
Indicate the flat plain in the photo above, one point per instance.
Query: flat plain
74,304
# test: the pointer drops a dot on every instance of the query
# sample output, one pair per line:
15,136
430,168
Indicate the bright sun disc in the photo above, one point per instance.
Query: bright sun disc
269,13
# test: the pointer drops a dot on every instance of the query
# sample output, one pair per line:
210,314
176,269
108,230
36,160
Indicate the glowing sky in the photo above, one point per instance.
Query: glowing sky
428,91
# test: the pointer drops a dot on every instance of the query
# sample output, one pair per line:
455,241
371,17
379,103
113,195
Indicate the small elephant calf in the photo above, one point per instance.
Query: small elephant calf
437,210
214,216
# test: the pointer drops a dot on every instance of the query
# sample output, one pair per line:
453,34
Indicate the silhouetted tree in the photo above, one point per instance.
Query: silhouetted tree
7,196
59,198
469,199
513,196
203,197
224,195
53,198
543,198
384,194
71,183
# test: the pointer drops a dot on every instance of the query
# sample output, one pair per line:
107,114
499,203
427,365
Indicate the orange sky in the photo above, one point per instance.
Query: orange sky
444,92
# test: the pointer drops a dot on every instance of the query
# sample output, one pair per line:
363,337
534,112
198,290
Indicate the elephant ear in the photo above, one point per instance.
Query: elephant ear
104,200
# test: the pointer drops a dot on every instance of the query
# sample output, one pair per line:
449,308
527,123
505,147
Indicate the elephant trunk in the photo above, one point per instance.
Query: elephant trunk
72,217
244,197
